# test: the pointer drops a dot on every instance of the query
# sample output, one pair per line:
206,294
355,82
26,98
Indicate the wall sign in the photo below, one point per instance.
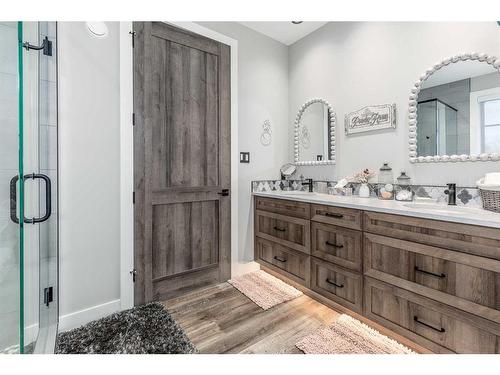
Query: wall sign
372,117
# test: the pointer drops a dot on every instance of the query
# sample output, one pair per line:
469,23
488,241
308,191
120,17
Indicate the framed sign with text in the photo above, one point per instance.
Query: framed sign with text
372,117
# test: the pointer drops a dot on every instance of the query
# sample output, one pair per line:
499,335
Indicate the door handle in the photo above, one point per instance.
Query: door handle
224,192
48,198
13,198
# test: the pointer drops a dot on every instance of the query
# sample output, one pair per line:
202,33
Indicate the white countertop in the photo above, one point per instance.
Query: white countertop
428,210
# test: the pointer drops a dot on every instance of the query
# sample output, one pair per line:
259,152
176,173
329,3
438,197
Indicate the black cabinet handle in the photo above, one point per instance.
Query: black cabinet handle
334,245
441,276
280,259
280,229
440,330
331,214
334,283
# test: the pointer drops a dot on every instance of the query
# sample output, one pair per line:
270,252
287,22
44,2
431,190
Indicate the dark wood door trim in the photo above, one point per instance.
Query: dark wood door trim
149,194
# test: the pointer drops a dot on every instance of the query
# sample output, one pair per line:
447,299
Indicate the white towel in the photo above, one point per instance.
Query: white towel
492,179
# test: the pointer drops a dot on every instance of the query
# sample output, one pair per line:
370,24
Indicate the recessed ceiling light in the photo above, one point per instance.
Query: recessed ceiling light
297,22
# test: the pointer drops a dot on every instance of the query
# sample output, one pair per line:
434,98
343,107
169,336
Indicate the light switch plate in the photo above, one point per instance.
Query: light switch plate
244,157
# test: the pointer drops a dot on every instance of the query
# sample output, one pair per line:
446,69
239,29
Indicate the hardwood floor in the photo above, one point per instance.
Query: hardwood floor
220,319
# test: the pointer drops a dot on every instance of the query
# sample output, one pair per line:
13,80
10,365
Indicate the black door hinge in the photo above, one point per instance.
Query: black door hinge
48,295
132,33
133,197
133,272
133,119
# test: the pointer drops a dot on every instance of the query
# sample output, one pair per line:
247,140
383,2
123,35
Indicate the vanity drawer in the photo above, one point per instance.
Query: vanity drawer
337,245
289,231
288,262
338,284
344,217
436,326
463,280
470,239
284,207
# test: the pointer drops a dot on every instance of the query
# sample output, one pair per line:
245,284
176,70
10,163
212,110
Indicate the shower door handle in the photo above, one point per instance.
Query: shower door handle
48,198
13,198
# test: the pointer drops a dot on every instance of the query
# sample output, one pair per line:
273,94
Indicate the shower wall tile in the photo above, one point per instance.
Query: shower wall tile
8,97
5,177
48,28
48,147
48,103
9,246
12,24
9,149
9,289
8,49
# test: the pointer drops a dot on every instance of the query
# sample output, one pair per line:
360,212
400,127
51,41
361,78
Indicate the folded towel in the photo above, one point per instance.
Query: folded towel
492,178
482,185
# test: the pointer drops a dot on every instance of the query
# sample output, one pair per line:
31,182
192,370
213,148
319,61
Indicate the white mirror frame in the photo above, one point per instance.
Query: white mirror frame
332,119
412,111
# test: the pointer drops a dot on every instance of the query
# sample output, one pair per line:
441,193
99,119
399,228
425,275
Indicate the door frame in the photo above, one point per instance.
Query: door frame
127,152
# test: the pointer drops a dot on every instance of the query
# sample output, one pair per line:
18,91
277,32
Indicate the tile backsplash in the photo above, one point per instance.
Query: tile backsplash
465,195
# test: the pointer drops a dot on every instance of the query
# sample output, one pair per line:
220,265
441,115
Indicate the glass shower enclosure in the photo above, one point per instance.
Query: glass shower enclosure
28,187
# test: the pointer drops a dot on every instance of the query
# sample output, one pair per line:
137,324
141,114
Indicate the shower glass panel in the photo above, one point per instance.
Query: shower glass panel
437,128
28,188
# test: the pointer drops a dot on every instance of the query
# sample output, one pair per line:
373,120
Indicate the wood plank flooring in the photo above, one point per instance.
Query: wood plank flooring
220,319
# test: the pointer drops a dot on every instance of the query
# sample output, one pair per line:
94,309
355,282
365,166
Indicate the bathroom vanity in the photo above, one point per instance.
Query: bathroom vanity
426,272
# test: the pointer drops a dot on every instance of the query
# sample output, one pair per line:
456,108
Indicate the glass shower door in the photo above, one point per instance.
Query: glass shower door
10,234
28,221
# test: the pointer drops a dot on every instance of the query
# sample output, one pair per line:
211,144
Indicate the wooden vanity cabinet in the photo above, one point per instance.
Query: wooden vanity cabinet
437,283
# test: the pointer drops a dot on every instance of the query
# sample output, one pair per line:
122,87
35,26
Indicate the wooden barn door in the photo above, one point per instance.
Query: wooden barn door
181,161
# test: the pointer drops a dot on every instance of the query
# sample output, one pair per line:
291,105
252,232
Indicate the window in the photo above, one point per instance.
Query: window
490,125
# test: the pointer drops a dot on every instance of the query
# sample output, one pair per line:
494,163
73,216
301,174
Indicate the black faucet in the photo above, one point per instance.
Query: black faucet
310,183
452,194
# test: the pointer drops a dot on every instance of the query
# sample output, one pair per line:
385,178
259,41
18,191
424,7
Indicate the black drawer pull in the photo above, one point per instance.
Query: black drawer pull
440,330
280,259
334,245
280,229
441,276
330,214
334,283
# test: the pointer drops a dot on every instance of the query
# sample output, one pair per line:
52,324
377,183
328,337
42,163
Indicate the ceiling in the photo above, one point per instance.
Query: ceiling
284,32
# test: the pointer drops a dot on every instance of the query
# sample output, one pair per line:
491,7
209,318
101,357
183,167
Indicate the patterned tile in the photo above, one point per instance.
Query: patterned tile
466,196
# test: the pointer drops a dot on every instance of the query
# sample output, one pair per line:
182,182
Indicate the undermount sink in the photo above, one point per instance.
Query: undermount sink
441,207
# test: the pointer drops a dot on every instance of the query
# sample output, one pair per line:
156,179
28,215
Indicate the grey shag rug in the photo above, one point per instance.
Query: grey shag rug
146,329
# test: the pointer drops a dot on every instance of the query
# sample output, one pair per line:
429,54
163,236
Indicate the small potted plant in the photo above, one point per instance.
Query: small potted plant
362,178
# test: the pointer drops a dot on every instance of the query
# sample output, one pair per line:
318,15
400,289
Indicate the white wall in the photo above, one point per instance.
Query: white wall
89,165
262,94
354,64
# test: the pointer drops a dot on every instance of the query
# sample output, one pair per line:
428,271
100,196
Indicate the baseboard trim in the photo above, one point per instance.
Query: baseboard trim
78,318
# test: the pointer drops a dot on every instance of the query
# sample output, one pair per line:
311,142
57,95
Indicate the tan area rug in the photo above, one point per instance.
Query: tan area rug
350,336
264,289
